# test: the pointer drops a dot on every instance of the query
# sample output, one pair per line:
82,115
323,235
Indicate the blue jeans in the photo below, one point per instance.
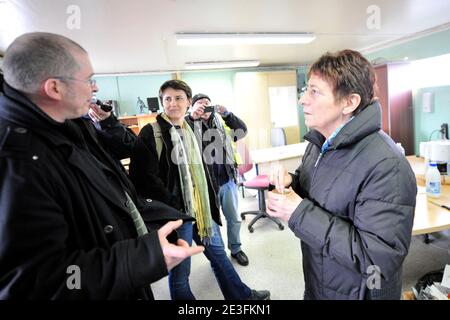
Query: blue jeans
229,281
228,195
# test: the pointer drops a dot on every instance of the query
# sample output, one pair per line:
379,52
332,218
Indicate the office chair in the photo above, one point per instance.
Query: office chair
260,183
278,137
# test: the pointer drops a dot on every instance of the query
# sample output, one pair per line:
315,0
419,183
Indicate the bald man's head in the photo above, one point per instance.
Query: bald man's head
35,57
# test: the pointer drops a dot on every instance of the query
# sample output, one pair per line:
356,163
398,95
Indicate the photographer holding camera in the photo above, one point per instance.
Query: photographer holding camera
119,138
216,125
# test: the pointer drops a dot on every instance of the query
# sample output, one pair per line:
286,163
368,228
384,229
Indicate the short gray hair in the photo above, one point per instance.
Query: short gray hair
35,57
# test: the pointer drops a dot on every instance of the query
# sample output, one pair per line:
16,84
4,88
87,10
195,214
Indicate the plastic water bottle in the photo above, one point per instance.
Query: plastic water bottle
433,181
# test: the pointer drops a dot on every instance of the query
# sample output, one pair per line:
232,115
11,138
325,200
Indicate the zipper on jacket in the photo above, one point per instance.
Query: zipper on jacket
321,156
315,166
318,159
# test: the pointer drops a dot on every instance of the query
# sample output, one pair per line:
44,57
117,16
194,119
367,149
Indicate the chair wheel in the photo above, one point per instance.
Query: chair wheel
281,227
251,230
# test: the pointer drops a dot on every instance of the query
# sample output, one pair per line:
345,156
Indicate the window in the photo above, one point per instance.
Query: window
283,106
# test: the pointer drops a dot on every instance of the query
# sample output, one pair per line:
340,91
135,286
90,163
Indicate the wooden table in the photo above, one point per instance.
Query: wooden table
429,217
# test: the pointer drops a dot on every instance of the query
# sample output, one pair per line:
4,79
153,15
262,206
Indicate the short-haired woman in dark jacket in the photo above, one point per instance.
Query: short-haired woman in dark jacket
352,198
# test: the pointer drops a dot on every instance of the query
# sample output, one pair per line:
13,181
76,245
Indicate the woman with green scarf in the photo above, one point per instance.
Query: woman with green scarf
167,165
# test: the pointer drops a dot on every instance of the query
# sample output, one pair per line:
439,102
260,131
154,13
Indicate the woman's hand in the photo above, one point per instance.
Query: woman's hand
279,177
282,205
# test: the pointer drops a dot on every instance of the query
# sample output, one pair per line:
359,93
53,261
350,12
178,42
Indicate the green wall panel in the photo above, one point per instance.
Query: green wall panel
429,46
426,123
218,85
126,90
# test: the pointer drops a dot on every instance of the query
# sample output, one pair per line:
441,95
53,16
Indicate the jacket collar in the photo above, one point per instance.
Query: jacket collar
20,110
163,124
365,123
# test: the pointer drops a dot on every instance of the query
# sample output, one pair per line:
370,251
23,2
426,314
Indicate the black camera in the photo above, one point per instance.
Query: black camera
210,109
105,107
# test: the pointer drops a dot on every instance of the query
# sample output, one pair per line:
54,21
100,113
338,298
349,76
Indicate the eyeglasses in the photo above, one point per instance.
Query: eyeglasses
90,81
177,99
313,92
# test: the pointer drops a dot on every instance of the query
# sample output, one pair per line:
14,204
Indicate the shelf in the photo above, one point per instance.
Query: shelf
136,123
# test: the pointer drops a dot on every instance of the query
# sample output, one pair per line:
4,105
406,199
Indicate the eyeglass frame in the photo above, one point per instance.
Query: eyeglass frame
177,99
90,81
313,94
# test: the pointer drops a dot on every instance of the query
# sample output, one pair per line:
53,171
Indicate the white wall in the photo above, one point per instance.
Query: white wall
251,91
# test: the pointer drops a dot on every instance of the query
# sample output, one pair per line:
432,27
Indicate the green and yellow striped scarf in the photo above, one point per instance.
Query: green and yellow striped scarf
186,154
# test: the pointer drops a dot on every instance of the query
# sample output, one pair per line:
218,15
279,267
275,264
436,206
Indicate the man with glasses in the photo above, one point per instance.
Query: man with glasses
90,81
71,225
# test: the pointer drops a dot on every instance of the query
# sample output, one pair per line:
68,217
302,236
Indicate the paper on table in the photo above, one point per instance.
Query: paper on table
446,278
421,190
436,293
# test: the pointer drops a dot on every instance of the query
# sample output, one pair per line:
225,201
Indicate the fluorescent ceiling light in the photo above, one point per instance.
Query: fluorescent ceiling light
243,38
221,64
